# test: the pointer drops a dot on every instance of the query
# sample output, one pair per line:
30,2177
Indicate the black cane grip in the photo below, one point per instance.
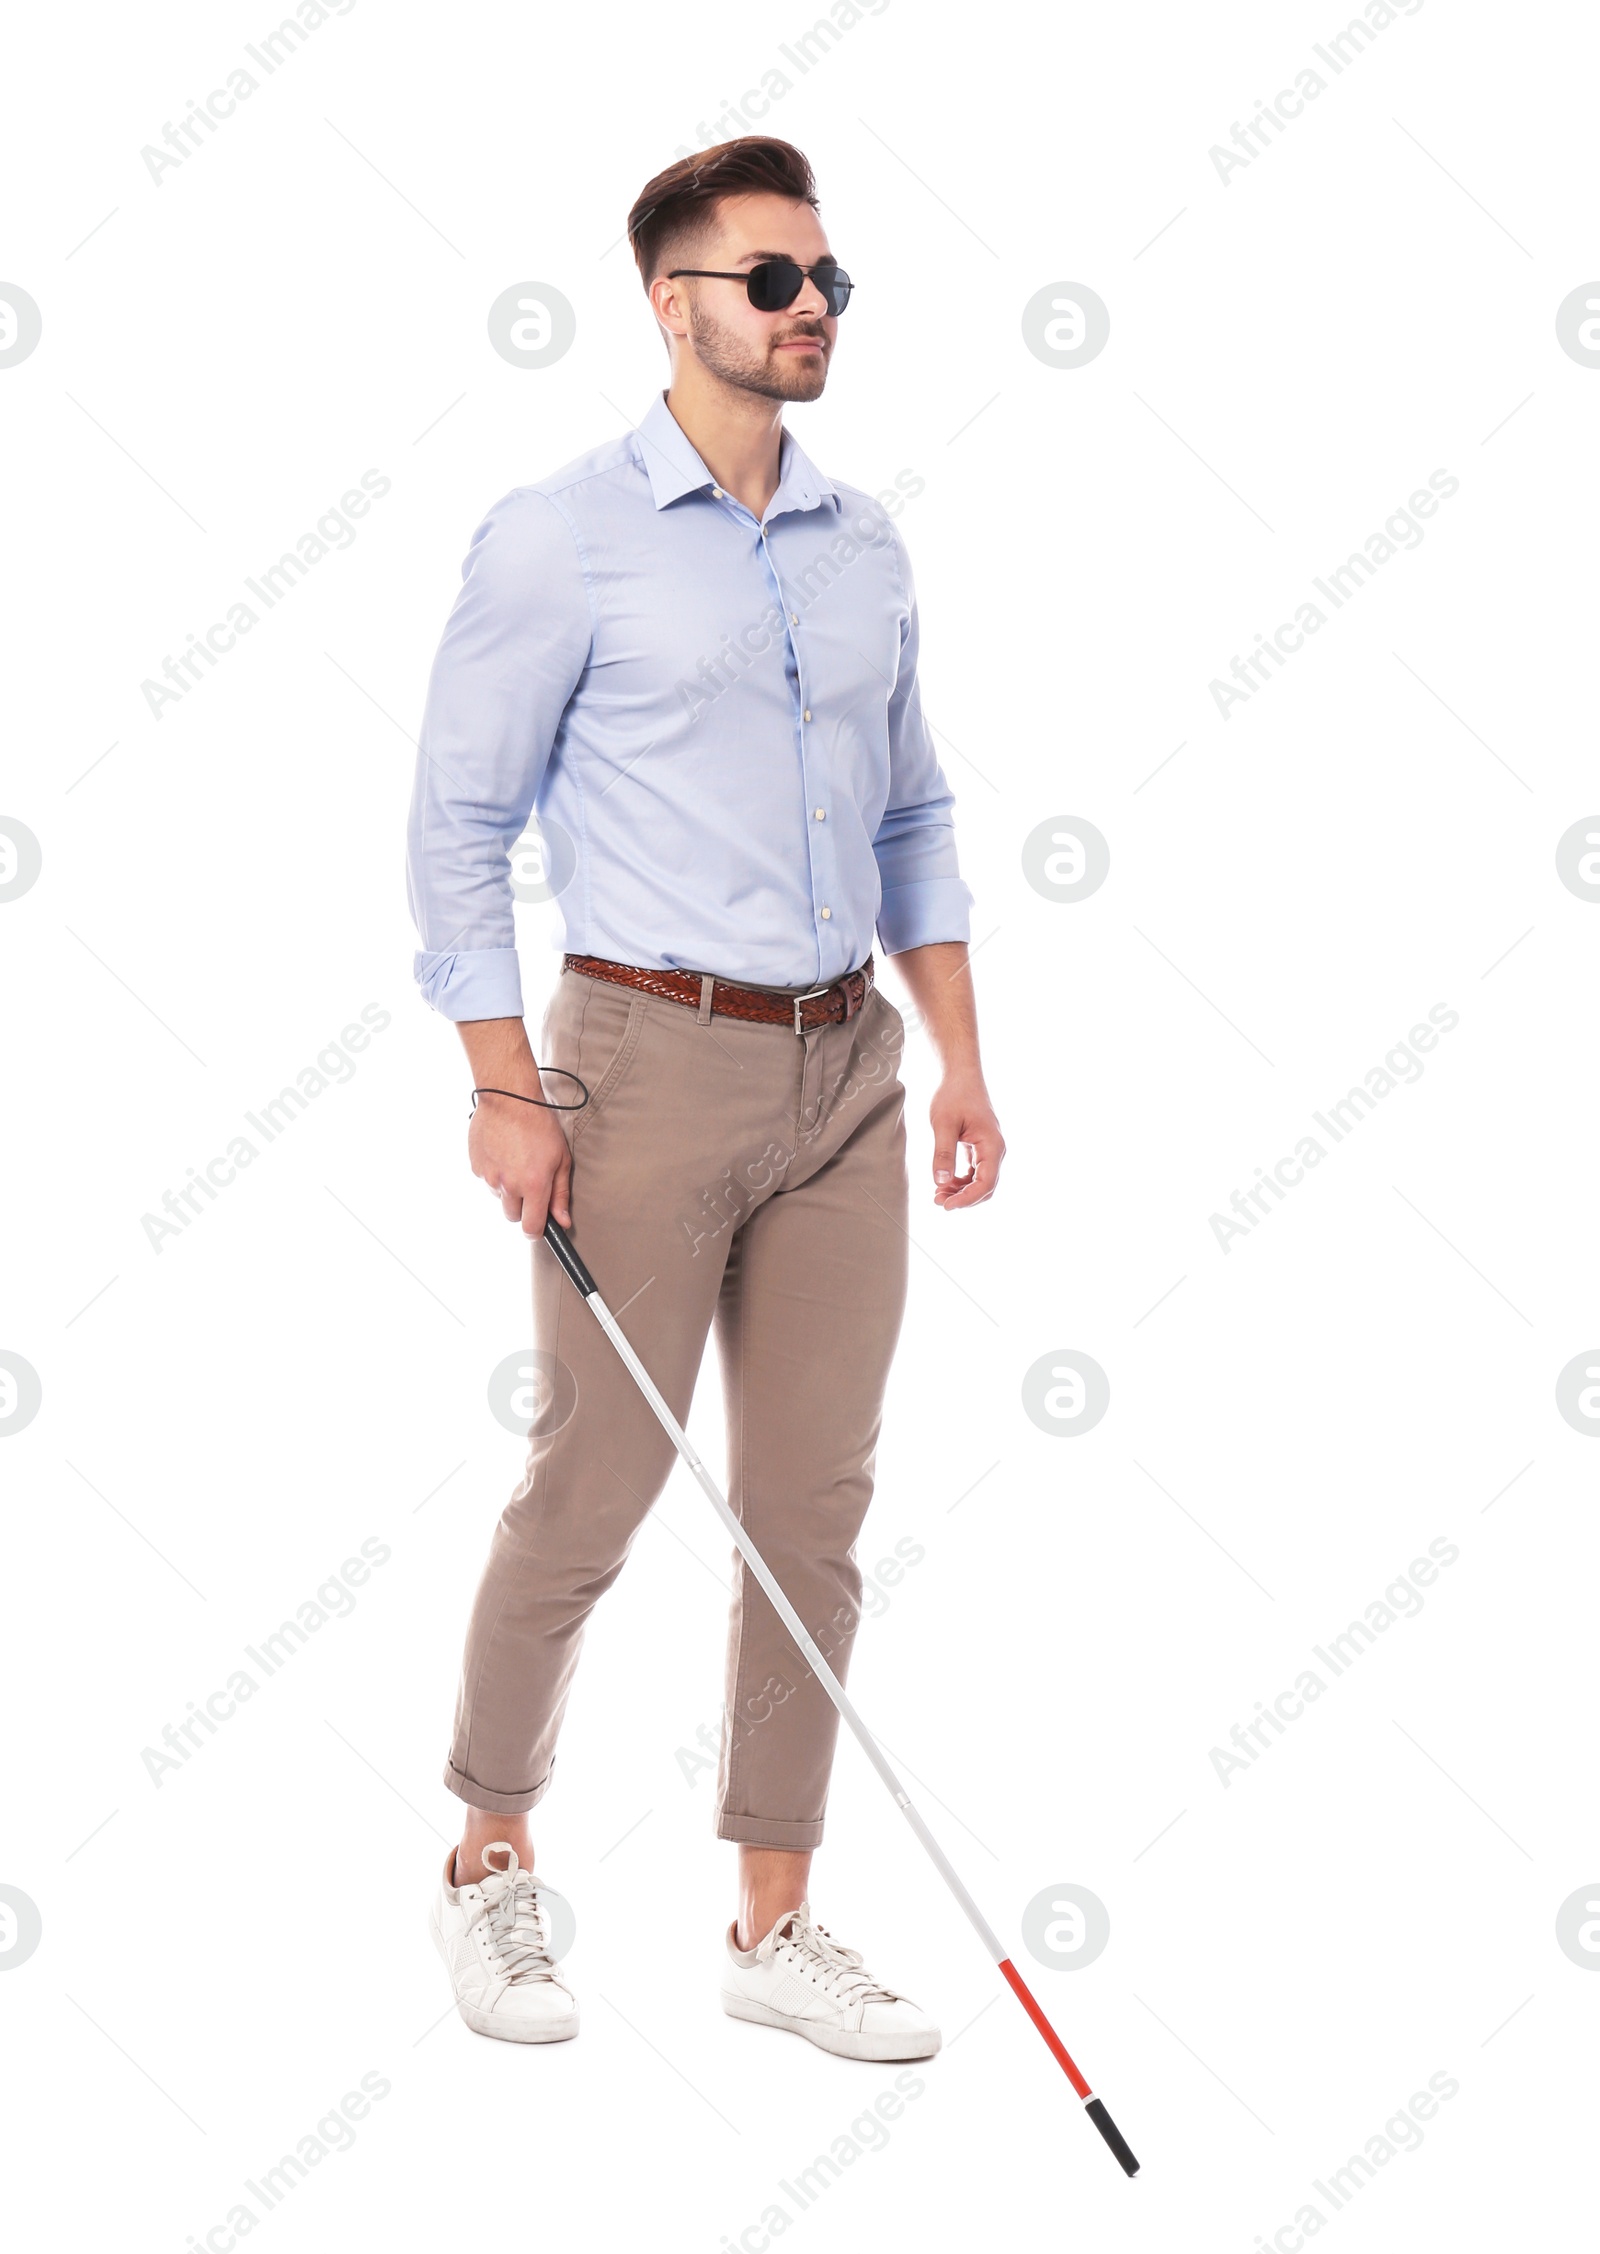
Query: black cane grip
556,1237
1113,2135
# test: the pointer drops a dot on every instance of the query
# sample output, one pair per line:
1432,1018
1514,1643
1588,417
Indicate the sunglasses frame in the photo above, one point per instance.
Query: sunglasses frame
764,266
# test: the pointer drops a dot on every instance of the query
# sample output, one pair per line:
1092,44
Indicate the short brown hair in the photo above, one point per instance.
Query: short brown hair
677,203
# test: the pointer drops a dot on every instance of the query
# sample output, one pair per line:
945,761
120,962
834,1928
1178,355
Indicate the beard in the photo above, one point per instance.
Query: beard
772,374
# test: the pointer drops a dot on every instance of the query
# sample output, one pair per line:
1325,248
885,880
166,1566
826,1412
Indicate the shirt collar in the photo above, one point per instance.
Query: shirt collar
674,468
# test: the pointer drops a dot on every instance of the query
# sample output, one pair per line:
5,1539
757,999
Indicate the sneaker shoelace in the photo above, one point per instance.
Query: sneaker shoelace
841,1971
518,1939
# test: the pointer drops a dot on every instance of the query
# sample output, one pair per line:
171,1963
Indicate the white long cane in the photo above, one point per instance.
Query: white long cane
562,1246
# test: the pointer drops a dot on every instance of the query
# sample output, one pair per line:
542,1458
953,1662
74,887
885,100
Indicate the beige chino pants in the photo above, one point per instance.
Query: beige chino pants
724,1174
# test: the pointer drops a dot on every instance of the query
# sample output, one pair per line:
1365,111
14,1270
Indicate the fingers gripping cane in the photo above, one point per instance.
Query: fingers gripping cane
562,1246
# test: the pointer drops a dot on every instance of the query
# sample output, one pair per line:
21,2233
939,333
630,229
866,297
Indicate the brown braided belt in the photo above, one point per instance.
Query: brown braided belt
823,1005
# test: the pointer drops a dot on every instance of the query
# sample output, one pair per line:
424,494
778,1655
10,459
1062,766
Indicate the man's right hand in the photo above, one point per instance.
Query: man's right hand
522,1154
518,1149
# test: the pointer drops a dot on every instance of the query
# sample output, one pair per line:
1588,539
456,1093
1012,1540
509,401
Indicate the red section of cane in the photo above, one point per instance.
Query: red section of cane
1030,2005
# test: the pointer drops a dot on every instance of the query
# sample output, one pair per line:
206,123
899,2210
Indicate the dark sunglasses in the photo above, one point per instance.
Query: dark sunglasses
777,282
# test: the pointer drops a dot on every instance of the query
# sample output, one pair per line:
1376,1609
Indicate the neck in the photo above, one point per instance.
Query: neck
737,434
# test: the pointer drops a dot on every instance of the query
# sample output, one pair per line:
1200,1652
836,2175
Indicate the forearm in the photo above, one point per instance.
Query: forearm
940,978
961,1115
498,1052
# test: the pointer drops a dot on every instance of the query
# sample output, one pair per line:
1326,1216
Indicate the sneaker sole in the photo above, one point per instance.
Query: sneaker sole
491,2023
844,2042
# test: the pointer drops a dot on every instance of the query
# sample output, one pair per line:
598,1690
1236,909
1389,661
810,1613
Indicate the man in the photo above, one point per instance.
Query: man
695,657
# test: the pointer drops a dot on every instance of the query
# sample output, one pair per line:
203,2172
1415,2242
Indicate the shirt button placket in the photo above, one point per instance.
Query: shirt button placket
825,914
794,620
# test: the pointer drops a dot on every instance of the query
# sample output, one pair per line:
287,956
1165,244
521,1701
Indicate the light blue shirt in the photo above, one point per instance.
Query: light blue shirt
720,714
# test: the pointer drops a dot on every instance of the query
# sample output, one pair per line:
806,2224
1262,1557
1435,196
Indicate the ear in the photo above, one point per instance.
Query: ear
669,303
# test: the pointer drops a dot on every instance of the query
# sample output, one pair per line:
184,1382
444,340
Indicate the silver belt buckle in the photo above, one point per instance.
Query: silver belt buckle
811,997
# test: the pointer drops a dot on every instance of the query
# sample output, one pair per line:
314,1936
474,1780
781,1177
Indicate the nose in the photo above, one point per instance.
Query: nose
810,305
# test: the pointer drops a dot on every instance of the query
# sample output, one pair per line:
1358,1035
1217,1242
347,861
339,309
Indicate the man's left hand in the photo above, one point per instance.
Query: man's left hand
962,1115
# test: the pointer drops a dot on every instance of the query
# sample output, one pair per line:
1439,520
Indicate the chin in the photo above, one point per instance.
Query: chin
800,375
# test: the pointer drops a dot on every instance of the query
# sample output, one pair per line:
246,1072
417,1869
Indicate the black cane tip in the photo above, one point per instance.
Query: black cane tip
1095,2108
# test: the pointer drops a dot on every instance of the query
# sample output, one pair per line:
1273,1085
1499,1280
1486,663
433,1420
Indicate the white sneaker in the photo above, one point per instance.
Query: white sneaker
799,1977
495,1940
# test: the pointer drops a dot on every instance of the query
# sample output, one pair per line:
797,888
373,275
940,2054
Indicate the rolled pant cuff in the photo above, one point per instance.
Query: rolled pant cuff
767,1831
497,1803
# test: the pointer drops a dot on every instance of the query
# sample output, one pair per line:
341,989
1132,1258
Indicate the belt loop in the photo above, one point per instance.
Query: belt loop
703,1014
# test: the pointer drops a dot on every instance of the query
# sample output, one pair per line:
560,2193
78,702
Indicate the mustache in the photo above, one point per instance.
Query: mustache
816,336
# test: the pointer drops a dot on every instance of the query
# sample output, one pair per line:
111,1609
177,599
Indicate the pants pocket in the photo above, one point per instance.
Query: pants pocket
610,1021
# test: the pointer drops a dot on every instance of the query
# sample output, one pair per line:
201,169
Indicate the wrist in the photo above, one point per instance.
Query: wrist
494,1085
505,1096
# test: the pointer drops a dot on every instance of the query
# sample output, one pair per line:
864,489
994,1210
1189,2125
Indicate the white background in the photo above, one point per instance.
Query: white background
1291,1421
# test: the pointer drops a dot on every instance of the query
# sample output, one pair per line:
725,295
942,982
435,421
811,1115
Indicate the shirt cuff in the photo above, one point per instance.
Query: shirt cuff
923,913
480,982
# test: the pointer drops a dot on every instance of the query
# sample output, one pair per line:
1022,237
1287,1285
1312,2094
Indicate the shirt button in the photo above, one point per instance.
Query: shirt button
716,493
821,817
826,913
805,716
794,618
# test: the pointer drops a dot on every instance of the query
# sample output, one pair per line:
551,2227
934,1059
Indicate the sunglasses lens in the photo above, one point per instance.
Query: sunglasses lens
777,282
774,284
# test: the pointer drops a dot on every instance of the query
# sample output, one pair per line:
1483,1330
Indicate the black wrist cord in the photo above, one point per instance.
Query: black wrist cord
543,1070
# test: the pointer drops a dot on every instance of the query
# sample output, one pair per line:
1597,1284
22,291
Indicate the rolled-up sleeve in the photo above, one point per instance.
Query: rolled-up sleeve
513,651
924,896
